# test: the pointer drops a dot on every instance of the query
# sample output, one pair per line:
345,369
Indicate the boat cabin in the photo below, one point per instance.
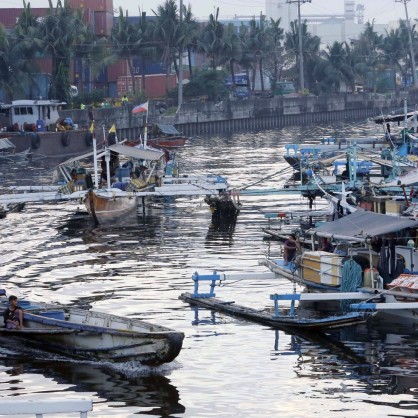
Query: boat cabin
30,115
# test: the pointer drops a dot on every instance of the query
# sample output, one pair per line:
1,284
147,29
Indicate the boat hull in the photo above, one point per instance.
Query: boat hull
106,208
167,142
58,145
100,336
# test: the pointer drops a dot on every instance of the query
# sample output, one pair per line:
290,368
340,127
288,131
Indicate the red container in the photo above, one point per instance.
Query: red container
103,23
95,5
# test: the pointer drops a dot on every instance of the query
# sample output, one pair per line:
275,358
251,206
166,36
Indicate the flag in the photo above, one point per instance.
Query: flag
91,128
112,129
140,108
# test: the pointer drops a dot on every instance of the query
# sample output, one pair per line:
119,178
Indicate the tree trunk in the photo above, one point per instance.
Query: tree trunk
131,70
260,64
189,58
231,67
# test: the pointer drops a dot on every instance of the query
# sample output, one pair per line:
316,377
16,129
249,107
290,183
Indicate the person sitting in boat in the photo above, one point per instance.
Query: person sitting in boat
13,316
326,246
290,248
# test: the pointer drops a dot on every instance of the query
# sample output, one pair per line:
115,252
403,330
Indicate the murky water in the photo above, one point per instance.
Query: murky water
227,367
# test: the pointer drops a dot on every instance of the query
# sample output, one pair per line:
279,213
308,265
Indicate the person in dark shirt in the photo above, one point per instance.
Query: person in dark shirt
290,248
13,316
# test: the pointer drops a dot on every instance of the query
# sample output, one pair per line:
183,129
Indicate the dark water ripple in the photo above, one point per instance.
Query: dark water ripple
227,367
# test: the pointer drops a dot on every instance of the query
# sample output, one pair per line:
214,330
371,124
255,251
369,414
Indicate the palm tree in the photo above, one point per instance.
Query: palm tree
212,40
274,60
168,34
191,33
366,55
128,41
310,46
395,52
339,69
232,50
258,45
59,31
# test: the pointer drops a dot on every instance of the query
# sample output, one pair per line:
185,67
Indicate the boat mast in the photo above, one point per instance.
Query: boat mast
107,158
96,168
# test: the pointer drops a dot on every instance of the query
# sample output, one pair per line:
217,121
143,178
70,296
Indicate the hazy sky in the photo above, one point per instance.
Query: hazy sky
381,10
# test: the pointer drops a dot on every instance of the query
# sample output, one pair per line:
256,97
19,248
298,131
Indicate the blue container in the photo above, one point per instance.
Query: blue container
122,174
40,126
53,314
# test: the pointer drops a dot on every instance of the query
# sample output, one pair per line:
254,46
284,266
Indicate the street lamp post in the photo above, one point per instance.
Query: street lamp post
301,72
414,73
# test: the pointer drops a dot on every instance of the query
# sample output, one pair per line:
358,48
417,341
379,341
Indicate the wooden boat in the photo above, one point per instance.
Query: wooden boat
165,136
105,206
99,336
291,318
284,321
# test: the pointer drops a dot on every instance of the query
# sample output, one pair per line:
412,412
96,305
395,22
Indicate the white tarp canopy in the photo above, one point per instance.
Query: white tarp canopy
139,153
362,225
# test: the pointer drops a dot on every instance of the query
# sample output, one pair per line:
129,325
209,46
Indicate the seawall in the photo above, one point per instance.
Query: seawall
200,117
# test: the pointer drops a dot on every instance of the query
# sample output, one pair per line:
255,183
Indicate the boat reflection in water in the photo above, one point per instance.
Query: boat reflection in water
140,390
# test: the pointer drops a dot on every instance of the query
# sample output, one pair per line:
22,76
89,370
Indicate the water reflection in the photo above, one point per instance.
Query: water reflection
152,393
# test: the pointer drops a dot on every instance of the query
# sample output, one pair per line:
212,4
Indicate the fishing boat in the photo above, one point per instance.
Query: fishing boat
35,125
166,136
275,317
97,336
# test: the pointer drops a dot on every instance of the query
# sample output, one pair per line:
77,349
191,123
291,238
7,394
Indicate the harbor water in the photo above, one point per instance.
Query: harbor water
227,367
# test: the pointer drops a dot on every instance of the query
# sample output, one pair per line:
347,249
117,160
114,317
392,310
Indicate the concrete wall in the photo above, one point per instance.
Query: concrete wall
205,117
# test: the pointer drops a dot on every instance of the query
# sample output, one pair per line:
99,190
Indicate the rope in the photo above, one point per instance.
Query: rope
350,281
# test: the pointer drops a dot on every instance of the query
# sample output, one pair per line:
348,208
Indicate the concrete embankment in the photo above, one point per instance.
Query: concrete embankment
228,116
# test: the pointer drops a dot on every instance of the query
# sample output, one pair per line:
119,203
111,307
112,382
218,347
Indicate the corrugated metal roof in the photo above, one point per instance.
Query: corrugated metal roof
168,129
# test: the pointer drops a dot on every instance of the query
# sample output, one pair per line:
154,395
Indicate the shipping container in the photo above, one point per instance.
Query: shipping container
151,67
95,5
155,84
9,17
116,70
103,23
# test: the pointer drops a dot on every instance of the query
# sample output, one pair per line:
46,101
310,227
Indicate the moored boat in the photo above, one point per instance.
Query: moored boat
36,125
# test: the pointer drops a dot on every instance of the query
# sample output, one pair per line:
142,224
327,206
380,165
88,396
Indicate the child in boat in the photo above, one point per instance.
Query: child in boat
13,316
290,248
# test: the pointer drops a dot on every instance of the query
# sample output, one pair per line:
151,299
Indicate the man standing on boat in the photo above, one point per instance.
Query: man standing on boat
13,316
290,248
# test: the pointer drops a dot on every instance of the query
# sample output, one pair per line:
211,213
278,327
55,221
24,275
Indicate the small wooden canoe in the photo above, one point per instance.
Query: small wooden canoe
100,336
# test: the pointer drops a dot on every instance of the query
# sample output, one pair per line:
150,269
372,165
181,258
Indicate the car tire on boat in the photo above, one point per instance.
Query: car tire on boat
65,139
89,139
35,141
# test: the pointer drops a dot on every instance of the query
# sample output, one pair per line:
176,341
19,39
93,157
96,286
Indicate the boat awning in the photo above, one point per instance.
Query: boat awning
168,129
362,225
6,144
393,118
139,153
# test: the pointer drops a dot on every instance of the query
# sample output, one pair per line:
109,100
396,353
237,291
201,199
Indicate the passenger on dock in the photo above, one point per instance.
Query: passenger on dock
13,316
290,248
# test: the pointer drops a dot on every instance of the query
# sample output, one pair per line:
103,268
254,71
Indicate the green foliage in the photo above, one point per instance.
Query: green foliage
93,98
208,83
